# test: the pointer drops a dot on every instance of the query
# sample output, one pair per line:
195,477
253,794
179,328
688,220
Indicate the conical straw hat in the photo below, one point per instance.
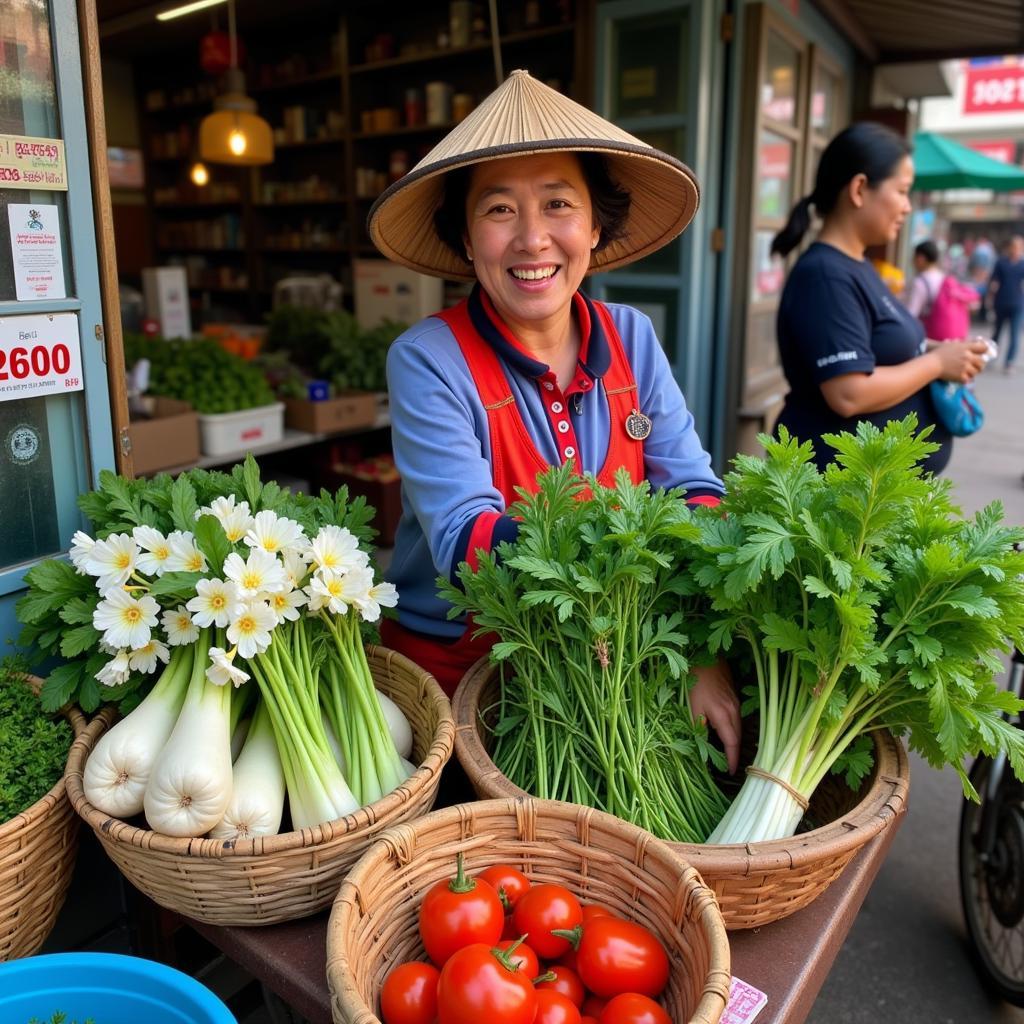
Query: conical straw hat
525,116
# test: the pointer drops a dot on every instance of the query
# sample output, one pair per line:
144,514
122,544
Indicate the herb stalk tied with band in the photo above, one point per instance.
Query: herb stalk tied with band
863,599
589,606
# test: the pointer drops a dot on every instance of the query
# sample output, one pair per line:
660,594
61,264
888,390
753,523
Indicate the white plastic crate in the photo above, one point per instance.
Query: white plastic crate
228,432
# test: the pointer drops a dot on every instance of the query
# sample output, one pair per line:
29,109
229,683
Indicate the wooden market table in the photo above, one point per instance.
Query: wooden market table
789,960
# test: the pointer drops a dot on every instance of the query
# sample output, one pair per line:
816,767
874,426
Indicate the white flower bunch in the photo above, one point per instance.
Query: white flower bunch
278,573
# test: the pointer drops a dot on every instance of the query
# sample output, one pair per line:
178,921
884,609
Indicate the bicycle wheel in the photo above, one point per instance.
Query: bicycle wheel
992,884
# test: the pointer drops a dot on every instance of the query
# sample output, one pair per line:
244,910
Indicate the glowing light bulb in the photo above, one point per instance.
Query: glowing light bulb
199,174
237,142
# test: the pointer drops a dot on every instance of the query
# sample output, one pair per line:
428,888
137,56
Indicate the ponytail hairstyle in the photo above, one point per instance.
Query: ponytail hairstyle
866,148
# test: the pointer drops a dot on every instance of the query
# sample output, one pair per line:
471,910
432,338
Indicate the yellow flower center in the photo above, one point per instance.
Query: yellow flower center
334,588
132,615
217,602
233,534
246,624
271,545
162,553
279,601
251,581
195,562
123,561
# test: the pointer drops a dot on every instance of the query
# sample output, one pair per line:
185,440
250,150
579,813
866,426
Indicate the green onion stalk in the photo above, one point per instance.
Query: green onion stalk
350,703
287,676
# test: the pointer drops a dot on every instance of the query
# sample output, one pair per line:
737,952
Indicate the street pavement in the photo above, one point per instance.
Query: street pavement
907,957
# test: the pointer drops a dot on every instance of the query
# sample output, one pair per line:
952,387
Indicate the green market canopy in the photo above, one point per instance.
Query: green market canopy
941,163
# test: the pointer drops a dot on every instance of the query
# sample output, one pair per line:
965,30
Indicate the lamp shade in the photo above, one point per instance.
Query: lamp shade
233,136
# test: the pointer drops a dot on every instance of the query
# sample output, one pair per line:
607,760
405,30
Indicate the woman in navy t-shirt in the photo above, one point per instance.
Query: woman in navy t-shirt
849,350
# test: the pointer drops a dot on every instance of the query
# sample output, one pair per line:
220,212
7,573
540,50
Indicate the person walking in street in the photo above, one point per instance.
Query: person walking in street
1006,288
850,351
939,300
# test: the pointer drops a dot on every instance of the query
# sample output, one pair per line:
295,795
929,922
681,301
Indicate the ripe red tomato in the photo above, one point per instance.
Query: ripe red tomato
541,910
616,956
587,1019
457,913
508,883
554,1008
523,956
409,994
566,981
592,910
633,1008
476,986
593,1006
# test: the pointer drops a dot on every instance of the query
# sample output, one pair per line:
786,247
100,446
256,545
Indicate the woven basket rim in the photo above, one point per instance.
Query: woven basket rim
51,798
879,805
215,849
350,896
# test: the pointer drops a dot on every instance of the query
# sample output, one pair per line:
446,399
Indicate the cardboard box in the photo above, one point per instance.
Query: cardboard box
350,411
386,291
384,495
166,295
167,440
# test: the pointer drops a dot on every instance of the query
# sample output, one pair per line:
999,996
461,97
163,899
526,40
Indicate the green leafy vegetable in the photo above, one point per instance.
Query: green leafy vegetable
590,610
863,600
33,745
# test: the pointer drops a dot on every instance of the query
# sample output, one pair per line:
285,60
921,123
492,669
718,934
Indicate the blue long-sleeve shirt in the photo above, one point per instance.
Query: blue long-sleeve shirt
441,443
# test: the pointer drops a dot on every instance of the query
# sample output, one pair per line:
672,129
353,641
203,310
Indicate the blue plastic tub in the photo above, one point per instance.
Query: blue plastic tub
108,987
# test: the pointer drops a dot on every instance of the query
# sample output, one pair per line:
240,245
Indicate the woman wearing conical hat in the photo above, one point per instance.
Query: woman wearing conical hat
527,196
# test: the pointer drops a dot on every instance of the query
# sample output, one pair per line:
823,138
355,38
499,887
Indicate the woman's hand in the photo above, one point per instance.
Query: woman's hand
960,361
713,700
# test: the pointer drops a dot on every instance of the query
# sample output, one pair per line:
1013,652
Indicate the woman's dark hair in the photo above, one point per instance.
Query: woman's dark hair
609,200
866,148
927,250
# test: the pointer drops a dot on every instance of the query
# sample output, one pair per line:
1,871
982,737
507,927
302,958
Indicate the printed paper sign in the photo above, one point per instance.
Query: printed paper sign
27,162
36,252
745,1003
39,355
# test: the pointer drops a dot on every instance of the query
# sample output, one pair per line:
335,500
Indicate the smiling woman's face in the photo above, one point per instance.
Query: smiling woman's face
530,231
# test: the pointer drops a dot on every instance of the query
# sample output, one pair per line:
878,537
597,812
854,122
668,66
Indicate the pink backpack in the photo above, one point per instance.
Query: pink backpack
949,318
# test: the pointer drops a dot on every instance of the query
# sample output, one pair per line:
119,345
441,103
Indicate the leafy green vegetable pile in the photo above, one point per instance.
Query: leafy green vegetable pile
199,372
33,746
865,600
333,346
589,607
57,611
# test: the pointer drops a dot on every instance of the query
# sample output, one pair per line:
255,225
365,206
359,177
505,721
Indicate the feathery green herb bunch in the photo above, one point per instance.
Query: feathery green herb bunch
589,604
865,600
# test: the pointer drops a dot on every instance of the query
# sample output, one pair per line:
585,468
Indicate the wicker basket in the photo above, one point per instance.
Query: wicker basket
757,883
373,925
37,857
276,878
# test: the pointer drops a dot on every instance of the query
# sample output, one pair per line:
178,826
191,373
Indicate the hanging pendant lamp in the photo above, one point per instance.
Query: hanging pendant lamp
234,133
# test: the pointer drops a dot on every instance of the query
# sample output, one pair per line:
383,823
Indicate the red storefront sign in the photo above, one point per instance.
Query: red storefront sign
1003,150
994,90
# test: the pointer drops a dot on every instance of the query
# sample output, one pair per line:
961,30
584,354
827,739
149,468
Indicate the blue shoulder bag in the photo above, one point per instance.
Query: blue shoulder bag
957,408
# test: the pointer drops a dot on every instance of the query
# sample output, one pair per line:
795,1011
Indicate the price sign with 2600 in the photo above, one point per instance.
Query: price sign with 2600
39,356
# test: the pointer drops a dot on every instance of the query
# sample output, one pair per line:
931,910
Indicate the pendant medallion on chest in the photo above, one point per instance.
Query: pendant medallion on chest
638,426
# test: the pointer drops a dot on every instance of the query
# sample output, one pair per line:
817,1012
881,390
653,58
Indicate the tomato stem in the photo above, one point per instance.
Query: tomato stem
461,883
572,935
504,956
546,976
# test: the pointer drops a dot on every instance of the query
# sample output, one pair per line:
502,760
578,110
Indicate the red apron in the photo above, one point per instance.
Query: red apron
515,462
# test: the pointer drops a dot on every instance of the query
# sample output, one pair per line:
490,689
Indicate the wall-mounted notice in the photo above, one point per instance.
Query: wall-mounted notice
39,355
35,250
27,162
